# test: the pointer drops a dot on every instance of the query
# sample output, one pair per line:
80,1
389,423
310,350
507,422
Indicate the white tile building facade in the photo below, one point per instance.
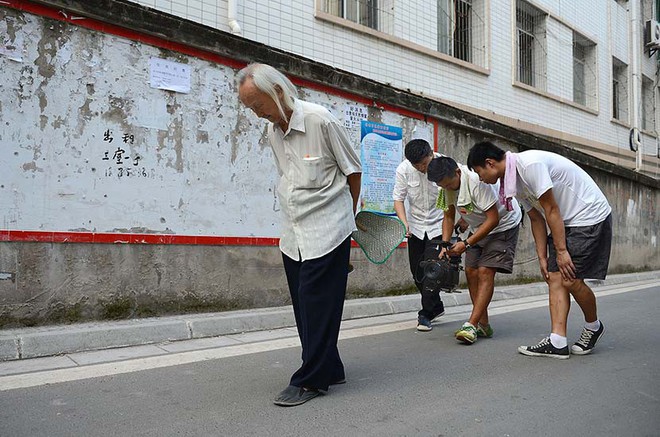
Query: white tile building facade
559,68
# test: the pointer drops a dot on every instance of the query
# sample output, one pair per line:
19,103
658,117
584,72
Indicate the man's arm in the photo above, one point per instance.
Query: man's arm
556,225
400,209
354,184
540,239
492,219
448,223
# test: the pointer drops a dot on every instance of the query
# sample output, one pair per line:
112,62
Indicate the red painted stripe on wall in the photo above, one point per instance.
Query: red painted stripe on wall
125,238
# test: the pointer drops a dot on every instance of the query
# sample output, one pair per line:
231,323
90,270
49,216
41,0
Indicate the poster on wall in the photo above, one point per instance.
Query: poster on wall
381,151
168,75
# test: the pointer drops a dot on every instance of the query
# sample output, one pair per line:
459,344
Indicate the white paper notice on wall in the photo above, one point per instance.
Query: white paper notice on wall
353,115
168,75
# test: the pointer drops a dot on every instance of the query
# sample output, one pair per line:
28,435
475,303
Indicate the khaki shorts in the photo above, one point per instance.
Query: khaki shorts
495,251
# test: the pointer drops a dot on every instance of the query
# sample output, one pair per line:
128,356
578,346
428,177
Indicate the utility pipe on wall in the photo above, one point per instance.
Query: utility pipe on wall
636,85
231,17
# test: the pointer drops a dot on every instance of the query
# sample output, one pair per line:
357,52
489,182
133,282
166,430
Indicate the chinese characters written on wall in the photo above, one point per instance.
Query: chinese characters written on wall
125,164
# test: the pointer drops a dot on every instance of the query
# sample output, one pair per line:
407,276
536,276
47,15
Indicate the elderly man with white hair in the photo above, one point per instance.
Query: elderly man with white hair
318,189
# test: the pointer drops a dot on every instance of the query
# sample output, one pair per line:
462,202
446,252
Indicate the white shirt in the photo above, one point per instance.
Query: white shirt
483,196
579,199
422,214
314,158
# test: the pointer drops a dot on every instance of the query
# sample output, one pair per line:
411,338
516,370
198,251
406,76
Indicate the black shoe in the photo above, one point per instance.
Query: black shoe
587,341
545,349
292,396
437,316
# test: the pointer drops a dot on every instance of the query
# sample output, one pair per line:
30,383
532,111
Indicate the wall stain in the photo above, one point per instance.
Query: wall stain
242,126
25,83
58,122
32,166
52,38
12,18
173,134
202,136
263,139
177,135
118,111
43,100
84,115
375,114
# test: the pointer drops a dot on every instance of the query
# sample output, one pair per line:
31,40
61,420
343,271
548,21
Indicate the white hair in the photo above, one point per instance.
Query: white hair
268,80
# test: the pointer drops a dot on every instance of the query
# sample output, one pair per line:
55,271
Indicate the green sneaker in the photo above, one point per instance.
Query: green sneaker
467,334
486,331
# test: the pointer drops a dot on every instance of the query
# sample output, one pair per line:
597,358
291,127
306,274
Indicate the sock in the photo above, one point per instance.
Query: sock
593,326
558,341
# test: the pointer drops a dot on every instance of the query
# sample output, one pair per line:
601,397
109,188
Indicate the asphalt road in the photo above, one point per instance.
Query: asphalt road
400,383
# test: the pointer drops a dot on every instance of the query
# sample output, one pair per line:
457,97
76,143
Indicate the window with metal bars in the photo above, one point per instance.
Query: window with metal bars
619,90
648,107
584,70
461,29
364,12
531,51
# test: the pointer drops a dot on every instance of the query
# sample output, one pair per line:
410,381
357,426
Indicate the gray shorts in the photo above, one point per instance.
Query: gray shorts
495,251
589,247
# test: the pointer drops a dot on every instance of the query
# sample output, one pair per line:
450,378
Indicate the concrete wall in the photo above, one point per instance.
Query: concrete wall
73,83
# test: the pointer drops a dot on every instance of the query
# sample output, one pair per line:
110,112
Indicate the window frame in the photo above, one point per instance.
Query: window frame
322,15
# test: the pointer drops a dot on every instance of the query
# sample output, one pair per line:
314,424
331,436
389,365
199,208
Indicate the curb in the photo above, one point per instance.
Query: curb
27,343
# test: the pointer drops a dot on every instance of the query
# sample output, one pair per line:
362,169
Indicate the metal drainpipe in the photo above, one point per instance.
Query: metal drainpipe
655,86
231,17
636,85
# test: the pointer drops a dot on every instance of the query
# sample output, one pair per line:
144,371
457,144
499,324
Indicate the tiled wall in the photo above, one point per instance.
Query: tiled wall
291,25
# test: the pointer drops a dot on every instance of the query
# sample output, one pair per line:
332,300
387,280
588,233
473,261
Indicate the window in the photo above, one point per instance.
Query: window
619,90
364,12
530,45
584,71
648,107
462,29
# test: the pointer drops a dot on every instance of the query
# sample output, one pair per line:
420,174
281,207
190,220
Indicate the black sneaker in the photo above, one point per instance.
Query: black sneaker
587,341
439,313
437,317
545,349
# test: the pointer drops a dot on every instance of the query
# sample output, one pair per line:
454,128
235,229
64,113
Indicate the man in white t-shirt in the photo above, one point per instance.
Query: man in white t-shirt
491,245
556,192
423,221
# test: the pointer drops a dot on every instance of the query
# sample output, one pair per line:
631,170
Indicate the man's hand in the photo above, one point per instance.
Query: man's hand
461,225
566,266
543,265
457,249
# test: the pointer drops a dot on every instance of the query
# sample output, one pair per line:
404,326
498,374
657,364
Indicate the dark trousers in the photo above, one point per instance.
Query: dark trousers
431,303
318,290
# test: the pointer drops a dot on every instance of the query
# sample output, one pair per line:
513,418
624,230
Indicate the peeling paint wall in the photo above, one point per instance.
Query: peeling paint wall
88,145
205,168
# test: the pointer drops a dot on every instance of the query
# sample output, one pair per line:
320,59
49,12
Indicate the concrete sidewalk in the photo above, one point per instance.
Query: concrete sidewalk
17,344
